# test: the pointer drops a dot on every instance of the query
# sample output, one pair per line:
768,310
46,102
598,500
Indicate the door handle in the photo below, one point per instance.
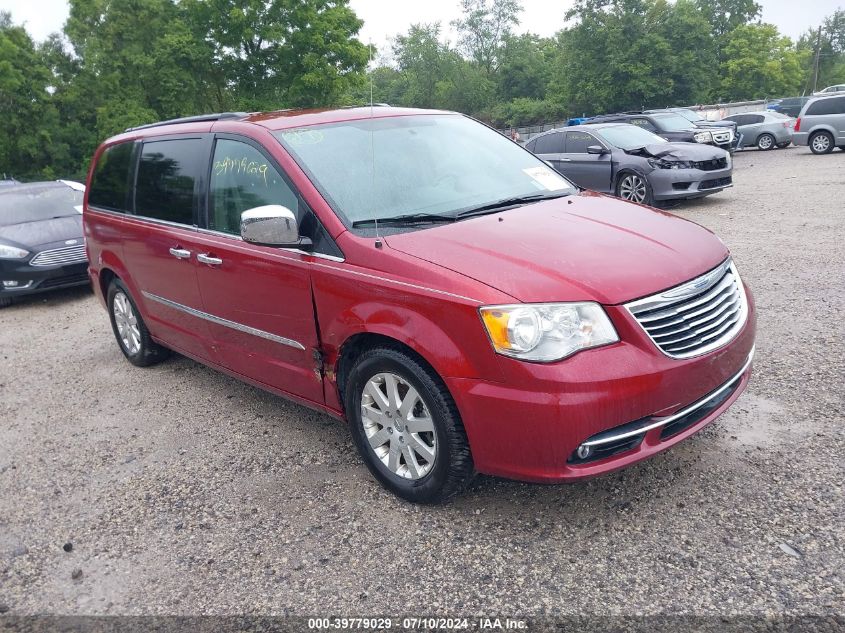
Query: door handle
565,160
205,258
180,253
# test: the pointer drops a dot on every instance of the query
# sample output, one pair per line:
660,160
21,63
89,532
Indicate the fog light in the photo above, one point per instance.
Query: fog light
584,451
10,284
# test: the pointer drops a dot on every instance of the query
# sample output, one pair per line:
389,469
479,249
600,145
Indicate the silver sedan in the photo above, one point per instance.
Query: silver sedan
764,130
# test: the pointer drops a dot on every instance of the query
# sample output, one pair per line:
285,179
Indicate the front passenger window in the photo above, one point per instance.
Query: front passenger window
242,178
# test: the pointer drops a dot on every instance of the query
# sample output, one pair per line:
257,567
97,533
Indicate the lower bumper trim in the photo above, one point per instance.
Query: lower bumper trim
639,427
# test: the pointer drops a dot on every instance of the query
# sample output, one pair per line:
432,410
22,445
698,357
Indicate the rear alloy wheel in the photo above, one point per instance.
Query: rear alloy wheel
821,143
406,426
634,187
129,328
765,142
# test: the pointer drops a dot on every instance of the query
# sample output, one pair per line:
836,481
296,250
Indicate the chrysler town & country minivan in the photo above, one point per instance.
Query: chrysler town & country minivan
461,305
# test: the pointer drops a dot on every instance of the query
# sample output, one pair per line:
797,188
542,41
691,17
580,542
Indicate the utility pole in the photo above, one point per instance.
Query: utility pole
816,65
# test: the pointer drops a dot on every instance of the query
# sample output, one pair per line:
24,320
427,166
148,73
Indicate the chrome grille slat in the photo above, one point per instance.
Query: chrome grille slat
692,325
697,333
689,320
58,256
685,305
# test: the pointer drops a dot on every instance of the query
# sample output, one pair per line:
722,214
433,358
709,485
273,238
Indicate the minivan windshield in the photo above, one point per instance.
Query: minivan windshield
412,167
629,136
32,203
671,122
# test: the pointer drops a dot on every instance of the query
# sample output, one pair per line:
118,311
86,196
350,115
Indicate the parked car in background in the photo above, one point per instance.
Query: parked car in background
461,305
694,117
633,163
831,90
821,124
790,106
764,130
41,240
672,127
8,182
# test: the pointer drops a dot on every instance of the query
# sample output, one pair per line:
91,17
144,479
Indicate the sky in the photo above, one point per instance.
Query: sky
383,19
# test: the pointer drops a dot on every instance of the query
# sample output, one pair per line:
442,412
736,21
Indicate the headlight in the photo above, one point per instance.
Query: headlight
703,137
661,163
12,252
547,332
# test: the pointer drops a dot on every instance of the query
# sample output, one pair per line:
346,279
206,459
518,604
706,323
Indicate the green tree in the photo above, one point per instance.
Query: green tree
280,53
760,63
484,28
27,119
424,63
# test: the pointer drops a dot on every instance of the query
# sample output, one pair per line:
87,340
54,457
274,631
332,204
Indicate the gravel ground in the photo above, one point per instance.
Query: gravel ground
179,490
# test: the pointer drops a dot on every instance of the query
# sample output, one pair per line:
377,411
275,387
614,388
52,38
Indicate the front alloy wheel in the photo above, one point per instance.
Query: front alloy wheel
129,328
398,426
635,188
406,425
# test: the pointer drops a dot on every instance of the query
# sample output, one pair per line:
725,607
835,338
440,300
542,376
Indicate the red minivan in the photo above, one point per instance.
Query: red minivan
461,305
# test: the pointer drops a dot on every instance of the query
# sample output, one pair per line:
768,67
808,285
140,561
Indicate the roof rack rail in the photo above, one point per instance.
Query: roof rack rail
220,116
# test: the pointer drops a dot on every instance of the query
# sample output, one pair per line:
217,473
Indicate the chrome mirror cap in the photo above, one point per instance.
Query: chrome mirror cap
270,225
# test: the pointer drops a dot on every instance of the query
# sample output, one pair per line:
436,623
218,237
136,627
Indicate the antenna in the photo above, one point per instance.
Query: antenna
373,146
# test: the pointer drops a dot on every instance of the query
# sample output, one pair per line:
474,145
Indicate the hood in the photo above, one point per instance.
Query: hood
31,234
726,124
587,247
680,151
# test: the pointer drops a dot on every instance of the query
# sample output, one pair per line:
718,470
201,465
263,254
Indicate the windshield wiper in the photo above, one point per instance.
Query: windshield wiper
410,218
506,203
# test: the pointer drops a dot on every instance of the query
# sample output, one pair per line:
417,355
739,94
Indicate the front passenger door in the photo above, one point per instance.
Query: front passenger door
259,297
590,171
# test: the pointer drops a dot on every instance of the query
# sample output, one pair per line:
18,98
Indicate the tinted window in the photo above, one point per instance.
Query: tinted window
828,105
577,142
40,201
167,177
242,178
754,118
672,122
549,144
646,124
110,181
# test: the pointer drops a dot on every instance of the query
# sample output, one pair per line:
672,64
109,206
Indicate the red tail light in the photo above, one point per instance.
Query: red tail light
798,124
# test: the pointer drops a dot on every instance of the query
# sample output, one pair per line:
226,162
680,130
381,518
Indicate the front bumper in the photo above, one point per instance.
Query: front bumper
531,426
35,279
676,184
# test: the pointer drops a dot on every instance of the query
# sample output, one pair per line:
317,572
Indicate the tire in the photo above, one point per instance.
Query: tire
428,465
634,187
821,143
765,142
130,331
784,145
6,301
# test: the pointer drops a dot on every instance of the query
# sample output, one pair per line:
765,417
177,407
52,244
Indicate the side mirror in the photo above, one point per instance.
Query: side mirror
271,225
596,149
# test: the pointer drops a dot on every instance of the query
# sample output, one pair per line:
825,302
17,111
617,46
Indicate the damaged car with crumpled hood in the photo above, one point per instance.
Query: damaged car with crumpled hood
633,163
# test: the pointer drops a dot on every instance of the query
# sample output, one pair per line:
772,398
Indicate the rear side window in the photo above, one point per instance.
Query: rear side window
110,181
828,105
549,144
755,118
242,178
168,174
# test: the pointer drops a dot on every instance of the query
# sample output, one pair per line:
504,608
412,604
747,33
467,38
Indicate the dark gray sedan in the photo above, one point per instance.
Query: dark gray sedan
632,163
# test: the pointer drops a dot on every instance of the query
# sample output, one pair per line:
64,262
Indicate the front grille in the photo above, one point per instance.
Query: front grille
711,165
715,182
696,317
723,137
60,256
66,280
